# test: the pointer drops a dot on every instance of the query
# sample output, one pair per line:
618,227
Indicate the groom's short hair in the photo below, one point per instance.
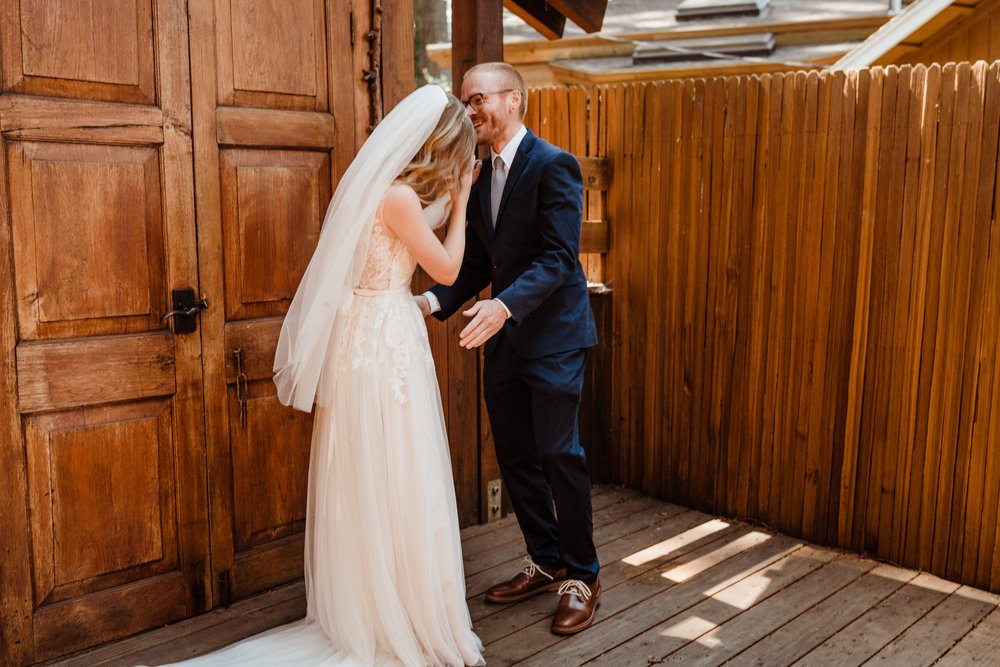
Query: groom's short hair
509,78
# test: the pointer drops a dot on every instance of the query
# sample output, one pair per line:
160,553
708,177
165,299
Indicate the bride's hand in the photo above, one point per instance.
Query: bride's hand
465,183
473,175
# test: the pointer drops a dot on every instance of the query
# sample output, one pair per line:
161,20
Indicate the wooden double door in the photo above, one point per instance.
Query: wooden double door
148,473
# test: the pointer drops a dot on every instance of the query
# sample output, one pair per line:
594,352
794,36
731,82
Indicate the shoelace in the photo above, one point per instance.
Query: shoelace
531,568
576,587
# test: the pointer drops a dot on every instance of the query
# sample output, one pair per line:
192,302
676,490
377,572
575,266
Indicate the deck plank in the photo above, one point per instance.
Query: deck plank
630,609
761,618
929,638
280,605
799,636
978,647
714,608
862,639
679,587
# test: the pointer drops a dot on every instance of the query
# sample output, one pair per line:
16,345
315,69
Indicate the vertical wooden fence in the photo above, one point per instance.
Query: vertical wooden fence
806,320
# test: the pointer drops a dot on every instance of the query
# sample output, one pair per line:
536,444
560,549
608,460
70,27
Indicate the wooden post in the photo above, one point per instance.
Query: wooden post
397,51
476,36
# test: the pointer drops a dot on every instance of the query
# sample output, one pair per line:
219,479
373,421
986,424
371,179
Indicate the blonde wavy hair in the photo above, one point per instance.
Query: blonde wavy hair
445,157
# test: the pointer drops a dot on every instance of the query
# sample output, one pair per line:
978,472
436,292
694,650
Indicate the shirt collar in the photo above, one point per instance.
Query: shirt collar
508,152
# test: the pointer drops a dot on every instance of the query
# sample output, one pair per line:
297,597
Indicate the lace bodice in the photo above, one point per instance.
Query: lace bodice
389,264
384,331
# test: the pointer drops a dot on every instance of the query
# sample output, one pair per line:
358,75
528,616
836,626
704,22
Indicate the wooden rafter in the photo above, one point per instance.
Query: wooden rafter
588,14
539,15
548,17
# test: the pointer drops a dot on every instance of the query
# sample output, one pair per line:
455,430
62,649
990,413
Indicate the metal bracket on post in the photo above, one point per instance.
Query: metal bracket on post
495,501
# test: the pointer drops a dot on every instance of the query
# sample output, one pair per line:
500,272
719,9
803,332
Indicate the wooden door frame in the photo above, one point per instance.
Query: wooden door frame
15,580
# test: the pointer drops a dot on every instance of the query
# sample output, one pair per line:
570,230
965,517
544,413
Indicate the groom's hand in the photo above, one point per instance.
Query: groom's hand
487,319
423,304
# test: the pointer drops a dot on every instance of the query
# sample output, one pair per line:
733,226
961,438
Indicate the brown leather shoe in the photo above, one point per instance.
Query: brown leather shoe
530,581
577,606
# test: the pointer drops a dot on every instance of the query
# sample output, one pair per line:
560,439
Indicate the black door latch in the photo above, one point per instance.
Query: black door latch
185,312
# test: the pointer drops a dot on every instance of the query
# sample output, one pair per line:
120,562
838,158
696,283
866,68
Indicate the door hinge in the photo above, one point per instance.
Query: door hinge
225,589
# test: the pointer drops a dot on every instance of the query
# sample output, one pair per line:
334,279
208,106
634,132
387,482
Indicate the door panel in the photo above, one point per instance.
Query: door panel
93,263
272,53
70,48
129,447
269,488
98,203
273,203
270,460
271,119
59,375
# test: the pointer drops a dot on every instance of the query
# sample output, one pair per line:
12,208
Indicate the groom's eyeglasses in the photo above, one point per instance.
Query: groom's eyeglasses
476,101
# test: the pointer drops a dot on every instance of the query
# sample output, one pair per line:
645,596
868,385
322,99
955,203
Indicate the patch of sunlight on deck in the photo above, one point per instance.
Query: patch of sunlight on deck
690,628
687,570
668,546
977,595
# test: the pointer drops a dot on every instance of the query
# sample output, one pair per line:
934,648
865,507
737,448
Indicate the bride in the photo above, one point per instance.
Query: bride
383,563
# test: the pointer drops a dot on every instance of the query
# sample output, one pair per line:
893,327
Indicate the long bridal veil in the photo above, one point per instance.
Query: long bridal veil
326,287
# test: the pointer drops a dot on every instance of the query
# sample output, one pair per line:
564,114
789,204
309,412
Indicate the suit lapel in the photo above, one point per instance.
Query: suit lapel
521,158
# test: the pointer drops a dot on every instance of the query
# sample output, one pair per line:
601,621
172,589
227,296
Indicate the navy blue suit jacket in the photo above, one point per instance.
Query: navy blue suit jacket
532,258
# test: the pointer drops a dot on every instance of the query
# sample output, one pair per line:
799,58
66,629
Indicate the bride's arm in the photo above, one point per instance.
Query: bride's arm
401,212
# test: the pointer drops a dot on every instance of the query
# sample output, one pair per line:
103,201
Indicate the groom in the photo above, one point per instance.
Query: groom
525,216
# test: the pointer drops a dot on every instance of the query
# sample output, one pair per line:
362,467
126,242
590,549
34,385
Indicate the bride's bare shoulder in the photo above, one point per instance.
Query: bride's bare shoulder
400,201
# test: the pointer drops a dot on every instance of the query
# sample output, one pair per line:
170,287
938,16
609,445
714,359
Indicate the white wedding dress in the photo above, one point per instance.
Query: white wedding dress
384,576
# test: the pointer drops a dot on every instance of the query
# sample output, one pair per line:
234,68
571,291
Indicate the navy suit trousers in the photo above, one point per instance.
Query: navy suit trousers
534,409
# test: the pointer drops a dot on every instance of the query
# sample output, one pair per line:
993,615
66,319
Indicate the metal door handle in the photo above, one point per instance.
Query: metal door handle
185,309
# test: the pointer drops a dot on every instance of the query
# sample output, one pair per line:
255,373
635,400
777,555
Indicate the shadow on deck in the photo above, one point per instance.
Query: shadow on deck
680,587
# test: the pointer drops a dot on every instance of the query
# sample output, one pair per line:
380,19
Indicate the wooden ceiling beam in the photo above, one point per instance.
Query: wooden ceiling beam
540,15
588,14
548,17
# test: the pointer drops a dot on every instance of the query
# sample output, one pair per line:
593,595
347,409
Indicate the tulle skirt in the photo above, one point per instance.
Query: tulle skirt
384,576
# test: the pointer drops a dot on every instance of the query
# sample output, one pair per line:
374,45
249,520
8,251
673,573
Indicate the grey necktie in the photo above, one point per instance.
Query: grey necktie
496,186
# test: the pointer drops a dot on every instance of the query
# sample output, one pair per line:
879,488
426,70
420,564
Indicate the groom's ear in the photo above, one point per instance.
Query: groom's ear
516,98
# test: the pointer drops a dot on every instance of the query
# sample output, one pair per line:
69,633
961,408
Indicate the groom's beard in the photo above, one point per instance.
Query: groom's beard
488,131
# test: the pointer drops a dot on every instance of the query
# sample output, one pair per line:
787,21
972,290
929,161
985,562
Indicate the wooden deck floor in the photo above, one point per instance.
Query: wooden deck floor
680,587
